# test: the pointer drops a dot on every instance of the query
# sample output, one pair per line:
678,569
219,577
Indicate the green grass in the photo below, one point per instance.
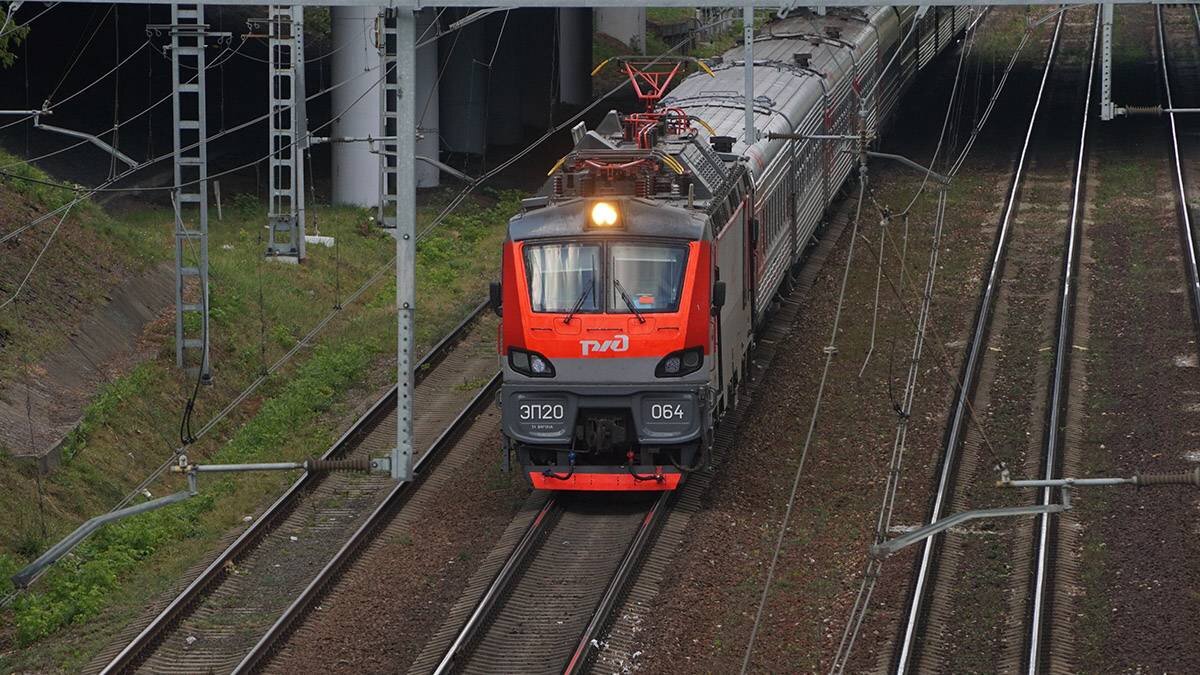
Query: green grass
24,179
131,424
1003,34
663,15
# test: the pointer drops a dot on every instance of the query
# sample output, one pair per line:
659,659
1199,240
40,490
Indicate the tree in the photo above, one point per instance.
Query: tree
11,35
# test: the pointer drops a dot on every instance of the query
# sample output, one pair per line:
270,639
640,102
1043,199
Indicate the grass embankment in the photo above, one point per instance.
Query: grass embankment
259,312
29,327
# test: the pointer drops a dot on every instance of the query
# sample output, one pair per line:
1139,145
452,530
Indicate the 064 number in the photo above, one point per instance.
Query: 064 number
666,411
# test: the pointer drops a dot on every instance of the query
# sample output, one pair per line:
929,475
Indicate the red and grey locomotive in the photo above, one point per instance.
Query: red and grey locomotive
631,290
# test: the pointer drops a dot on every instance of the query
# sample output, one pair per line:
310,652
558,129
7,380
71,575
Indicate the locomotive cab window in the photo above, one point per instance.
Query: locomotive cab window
650,276
563,277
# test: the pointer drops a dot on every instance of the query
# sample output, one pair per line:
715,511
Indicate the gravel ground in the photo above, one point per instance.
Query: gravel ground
1143,399
707,609
377,618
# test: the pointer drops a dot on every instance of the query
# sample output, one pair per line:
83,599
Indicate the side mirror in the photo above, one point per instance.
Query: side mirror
495,299
718,296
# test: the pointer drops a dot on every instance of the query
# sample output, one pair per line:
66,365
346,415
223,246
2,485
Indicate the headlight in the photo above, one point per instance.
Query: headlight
530,364
683,362
604,215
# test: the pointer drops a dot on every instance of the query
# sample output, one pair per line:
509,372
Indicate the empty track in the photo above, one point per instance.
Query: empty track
1189,89
242,594
1005,382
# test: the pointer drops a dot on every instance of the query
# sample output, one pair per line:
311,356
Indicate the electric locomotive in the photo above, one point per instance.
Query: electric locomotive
632,287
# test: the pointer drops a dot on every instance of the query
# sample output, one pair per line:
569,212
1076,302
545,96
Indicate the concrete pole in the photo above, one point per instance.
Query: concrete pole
406,241
355,171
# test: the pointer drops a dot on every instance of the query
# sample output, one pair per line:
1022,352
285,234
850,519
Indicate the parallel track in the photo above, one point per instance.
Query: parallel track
958,420
375,524
214,608
1058,383
1178,169
910,643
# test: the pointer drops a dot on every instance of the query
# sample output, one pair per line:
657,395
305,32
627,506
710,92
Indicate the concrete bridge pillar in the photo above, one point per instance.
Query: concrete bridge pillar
627,24
428,104
575,55
355,169
464,99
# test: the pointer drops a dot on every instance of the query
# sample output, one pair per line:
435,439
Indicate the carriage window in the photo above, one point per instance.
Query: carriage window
562,276
650,274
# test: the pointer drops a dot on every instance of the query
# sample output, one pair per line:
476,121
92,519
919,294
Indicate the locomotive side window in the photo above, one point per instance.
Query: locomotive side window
563,277
650,274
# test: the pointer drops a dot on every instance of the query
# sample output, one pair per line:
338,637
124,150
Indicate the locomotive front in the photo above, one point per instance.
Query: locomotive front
606,343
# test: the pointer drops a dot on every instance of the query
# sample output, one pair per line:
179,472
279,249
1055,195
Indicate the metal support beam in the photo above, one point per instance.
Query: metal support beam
94,140
190,134
31,571
884,549
748,89
287,132
891,546
691,4
400,118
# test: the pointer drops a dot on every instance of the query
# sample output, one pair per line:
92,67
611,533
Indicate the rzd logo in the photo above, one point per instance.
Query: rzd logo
619,343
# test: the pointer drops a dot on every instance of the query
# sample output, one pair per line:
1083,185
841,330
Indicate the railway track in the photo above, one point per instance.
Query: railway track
549,600
249,591
1183,164
1022,395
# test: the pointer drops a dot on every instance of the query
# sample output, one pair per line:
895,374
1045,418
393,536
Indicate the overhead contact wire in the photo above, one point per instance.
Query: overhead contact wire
830,351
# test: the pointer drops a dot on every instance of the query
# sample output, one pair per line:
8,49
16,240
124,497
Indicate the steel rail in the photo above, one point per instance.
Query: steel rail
958,423
1185,214
375,522
616,587
216,571
499,587
1062,354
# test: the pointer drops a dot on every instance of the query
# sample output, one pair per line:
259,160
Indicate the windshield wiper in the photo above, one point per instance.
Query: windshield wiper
629,301
578,304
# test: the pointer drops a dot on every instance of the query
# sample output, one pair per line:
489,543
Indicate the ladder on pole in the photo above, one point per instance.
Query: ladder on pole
389,115
190,196
288,131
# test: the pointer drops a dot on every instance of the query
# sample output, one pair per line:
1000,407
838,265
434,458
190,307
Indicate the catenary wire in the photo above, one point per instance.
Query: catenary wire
830,350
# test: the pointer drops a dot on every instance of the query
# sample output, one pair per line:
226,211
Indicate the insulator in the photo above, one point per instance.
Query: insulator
676,188
1181,478
1152,110
558,185
362,464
